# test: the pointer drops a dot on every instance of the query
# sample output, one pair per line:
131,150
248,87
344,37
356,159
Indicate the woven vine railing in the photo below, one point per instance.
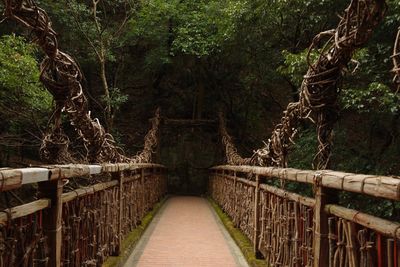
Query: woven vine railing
288,229
81,227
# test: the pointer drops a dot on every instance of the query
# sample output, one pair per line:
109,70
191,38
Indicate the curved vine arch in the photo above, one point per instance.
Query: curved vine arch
321,85
62,77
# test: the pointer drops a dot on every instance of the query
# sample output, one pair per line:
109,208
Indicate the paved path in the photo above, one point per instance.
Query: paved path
186,233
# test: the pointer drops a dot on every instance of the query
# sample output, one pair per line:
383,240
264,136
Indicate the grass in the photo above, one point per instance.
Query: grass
131,240
241,240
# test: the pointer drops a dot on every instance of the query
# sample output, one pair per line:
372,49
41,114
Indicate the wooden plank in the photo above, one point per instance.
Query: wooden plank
246,182
132,178
309,202
34,175
70,170
189,123
10,179
14,178
306,201
84,191
385,227
94,169
23,210
110,168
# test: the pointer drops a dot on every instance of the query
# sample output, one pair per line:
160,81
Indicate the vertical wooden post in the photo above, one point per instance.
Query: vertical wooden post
142,173
158,147
52,219
321,224
256,239
235,199
120,177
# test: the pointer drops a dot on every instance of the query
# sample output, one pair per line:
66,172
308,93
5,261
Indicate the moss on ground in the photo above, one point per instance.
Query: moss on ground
131,240
241,240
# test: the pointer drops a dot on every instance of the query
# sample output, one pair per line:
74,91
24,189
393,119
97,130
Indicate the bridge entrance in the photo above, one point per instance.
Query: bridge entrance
188,148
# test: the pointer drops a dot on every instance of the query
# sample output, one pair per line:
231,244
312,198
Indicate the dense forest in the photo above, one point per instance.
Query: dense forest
193,59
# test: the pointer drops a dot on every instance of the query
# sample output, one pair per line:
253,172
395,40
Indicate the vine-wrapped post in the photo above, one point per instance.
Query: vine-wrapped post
52,218
142,184
323,197
256,238
120,178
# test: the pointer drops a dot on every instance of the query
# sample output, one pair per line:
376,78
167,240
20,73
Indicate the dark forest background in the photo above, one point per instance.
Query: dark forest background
193,58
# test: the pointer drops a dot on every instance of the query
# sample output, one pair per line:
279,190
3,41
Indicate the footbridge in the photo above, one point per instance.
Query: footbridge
95,206
88,225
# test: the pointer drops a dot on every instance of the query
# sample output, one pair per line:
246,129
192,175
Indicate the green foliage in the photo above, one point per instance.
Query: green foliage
19,75
382,208
362,97
296,66
131,239
117,98
194,28
377,96
24,103
100,34
241,240
302,153
204,26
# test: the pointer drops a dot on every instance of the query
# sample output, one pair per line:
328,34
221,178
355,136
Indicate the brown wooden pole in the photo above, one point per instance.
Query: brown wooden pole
142,174
321,224
235,198
52,219
256,238
120,177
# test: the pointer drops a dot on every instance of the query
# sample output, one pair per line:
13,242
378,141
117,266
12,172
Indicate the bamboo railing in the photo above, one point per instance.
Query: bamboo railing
81,227
288,229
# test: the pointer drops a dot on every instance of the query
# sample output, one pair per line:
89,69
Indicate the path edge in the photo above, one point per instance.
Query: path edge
240,239
132,239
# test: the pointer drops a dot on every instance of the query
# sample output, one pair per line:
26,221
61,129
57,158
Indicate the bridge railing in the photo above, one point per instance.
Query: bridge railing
289,229
81,227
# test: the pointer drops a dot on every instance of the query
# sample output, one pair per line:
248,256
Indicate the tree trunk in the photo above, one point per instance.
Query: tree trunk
108,111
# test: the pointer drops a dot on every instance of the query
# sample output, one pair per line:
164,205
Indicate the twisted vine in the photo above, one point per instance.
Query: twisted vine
321,85
151,141
232,156
62,77
396,60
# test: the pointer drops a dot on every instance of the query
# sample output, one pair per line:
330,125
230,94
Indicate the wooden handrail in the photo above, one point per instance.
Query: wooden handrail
374,185
14,178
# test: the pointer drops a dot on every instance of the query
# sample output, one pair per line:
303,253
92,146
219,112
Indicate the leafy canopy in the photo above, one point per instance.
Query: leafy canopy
19,75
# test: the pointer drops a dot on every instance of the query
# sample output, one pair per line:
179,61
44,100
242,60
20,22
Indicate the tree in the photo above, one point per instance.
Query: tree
102,23
24,104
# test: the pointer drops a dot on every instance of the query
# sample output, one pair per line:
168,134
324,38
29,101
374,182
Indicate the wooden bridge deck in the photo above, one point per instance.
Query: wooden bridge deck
186,232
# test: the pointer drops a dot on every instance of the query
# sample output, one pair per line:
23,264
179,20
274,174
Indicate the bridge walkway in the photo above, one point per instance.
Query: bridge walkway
186,233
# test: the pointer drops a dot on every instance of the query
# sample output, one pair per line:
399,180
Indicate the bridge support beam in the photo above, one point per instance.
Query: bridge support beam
144,204
323,197
256,238
120,178
52,218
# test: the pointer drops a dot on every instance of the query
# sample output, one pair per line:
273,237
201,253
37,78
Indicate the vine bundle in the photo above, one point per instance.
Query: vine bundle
232,156
321,86
62,77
